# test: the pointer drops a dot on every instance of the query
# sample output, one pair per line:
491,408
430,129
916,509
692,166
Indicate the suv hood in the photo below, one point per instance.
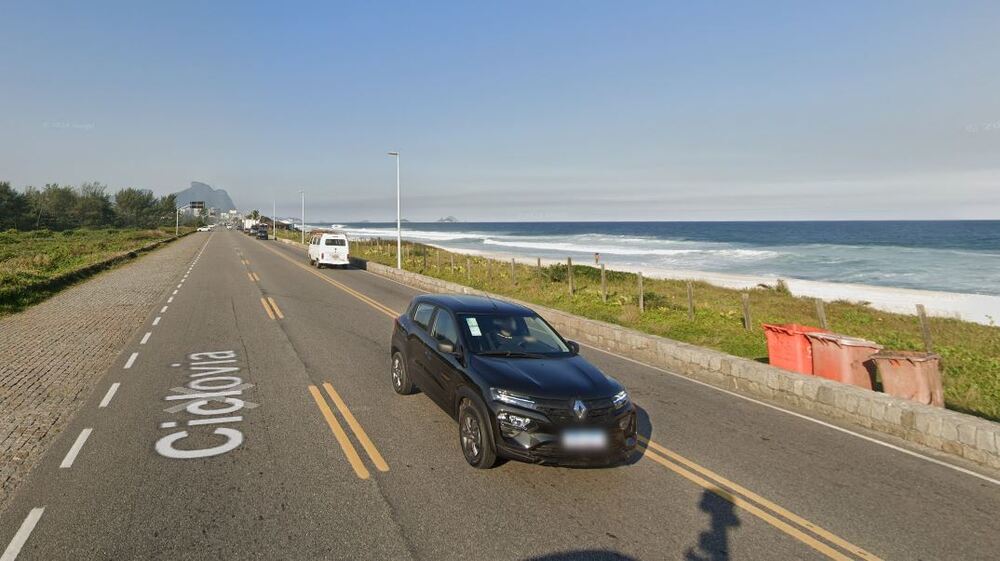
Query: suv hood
555,378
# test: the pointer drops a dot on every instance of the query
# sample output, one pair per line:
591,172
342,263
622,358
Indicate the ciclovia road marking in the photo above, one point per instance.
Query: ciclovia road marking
131,360
207,385
75,449
111,393
15,545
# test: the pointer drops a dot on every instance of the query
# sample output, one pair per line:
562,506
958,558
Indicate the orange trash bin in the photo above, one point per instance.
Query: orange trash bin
911,375
788,348
843,358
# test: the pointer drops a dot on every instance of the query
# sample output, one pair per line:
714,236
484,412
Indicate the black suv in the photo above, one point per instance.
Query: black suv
517,388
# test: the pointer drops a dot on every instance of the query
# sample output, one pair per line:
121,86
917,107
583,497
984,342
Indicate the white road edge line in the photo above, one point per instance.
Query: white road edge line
75,449
10,554
770,406
111,393
805,417
145,338
131,359
156,320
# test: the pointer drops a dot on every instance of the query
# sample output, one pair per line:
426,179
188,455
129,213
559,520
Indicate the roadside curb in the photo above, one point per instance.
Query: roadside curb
950,432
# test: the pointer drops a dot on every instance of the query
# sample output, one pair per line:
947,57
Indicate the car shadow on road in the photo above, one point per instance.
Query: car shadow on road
713,543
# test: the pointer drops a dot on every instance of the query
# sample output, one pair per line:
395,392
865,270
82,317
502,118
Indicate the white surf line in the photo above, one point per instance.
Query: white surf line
15,545
806,418
156,320
107,397
131,360
145,338
75,449
163,310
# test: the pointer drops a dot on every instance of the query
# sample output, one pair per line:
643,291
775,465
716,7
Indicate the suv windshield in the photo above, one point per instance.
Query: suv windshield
504,334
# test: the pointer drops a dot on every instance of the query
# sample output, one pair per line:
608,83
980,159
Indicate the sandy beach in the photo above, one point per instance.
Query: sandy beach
978,308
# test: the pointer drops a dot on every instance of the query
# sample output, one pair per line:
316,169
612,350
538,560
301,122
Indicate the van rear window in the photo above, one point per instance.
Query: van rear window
336,241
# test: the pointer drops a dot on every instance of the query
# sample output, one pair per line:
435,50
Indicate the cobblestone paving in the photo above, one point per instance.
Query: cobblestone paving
52,354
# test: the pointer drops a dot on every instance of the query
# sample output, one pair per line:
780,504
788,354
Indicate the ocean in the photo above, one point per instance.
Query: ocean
950,256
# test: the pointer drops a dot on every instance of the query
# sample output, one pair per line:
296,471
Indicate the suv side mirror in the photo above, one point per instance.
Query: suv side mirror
574,347
445,348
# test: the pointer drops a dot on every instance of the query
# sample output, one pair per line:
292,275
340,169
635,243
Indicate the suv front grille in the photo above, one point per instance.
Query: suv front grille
561,411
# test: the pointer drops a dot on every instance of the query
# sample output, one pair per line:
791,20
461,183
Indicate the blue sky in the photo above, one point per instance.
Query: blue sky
516,110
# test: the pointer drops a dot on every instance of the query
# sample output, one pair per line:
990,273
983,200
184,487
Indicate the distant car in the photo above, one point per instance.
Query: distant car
262,233
517,388
329,248
205,229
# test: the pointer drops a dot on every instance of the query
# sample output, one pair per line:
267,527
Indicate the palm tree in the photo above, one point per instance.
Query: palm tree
255,214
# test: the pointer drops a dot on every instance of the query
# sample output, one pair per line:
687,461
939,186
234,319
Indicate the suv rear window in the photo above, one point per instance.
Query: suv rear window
336,241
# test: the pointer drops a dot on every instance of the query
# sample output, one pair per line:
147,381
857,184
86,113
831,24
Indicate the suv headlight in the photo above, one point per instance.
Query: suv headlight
503,396
620,399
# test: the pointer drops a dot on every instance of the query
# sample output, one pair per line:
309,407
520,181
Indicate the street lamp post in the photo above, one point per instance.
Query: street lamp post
303,193
177,218
399,230
274,222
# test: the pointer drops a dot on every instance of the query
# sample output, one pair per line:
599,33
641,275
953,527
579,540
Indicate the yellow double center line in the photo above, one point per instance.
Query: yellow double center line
338,432
784,520
377,305
742,497
271,307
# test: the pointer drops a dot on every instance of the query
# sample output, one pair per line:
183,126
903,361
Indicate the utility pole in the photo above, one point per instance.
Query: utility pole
303,193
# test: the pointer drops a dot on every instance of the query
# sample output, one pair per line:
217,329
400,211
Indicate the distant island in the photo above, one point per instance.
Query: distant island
448,219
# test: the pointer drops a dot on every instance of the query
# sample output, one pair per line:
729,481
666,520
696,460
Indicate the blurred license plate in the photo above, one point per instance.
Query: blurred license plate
585,439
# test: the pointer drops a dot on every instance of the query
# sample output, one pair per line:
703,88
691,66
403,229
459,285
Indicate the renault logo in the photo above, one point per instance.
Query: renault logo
580,409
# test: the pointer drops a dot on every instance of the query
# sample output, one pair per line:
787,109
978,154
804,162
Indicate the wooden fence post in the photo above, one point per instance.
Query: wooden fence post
513,273
821,313
604,285
746,310
690,287
452,263
642,295
468,270
437,259
569,274
424,266
925,328
538,269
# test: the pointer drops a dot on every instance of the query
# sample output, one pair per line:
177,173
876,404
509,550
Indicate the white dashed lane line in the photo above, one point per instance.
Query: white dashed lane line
171,299
175,292
164,309
156,321
131,360
145,338
75,449
109,395
10,554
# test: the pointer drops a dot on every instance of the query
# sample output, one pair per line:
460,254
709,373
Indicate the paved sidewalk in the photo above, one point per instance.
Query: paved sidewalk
52,354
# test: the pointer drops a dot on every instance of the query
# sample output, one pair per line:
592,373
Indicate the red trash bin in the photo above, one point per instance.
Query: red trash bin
911,375
843,358
788,348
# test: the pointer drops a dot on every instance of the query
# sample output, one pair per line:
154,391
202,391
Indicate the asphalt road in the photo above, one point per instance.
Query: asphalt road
307,453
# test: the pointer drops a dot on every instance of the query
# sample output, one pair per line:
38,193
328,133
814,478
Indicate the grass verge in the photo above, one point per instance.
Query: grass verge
970,352
35,265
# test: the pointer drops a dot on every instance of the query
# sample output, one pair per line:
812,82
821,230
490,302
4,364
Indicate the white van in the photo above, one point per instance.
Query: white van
328,248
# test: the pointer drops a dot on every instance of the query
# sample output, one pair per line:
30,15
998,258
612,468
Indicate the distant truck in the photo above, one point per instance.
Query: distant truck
248,223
